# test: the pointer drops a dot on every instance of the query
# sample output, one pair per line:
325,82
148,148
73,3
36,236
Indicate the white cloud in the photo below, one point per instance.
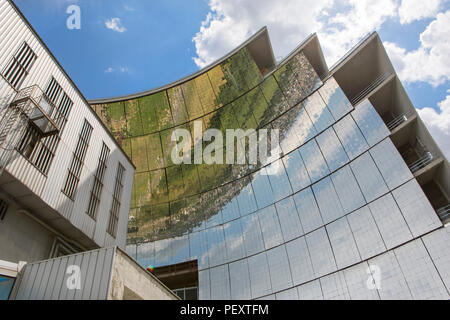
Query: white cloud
128,8
115,24
438,122
341,31
430,62
230,22
411,10
119,70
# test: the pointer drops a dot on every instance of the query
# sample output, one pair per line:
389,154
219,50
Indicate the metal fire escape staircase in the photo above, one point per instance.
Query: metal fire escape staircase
30,109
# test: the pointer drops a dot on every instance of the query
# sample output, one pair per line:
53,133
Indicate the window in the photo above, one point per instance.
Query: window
19,66
117,197
74,172
187,293
41,153
6,286
98,182
3,209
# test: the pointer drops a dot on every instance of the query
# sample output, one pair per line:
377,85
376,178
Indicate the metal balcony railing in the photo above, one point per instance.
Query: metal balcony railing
421,163
399,120
444,212
32,102
360,96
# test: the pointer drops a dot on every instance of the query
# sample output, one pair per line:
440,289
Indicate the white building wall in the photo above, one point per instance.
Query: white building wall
13,31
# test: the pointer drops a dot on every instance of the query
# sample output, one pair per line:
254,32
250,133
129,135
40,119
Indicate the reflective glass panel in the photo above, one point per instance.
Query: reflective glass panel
263,191
199,249
347,189
321,254
300,261
314,161
366,234
370,123
253,239
356,278
310,291
328,201
416,208
332,149
391,164
280,273
296,170
234,240
334,287
279,180
259,279
351,137
216,246
270,227
390,221
369,178
343,243
246,200
308,210
289,220
394,286
240,280
204,285
335,99
220,283
318,112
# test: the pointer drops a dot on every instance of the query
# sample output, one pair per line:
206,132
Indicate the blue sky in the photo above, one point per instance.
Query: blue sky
128,46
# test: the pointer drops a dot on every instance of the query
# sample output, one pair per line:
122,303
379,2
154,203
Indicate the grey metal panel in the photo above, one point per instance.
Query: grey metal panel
96,282
64,289
51,280
78,262
29,285
47,280
90,276
105,276
34,295
59,279
23,282
84,264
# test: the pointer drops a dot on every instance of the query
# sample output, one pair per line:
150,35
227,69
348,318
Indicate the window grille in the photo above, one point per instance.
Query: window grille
76,166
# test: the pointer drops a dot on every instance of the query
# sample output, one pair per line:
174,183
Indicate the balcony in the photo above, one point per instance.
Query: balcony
399,120
370,88
444,213
39,110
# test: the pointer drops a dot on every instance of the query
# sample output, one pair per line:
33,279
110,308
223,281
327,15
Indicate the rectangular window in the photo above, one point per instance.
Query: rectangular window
19,66
98,182
41,153
117,197
76,166
3,208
